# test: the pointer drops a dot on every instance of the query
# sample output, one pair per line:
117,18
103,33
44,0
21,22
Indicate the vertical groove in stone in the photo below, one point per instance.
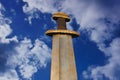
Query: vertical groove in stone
59,56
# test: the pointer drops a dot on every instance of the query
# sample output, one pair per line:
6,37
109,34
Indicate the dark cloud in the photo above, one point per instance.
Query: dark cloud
108,3
116,72
117,32
110,9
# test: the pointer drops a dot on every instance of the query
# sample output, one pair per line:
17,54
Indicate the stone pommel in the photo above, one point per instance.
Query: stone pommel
61,19
61,15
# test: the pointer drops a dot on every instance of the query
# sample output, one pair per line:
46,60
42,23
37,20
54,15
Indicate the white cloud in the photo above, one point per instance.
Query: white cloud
29,57
42,52
100,32
33,6
42,5
91,15
9,75
5,29
111,70
27,70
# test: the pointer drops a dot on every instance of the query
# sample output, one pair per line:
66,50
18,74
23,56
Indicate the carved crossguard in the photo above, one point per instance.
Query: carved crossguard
61,19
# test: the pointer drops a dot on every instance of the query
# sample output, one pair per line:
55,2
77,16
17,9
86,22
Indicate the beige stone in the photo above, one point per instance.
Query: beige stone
63,65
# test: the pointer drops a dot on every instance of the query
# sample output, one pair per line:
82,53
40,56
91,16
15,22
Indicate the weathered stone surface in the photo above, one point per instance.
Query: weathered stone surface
63,63
67,32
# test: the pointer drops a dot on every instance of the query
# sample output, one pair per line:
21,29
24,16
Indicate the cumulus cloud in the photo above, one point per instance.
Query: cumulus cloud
28,57
25,55
5,29
111,70
99,19
43,5
33,7
9,75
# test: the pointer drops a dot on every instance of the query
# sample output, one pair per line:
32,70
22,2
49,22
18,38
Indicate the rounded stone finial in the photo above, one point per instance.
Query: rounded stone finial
61,15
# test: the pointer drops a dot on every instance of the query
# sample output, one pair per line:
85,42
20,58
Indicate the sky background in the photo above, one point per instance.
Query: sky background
25,50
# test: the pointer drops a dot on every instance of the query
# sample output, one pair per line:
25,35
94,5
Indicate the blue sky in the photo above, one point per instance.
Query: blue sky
25,50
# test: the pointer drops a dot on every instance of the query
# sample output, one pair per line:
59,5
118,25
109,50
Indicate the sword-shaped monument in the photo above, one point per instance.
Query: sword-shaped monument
63,65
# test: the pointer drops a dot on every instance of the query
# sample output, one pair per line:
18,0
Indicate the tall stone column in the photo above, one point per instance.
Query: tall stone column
63,65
